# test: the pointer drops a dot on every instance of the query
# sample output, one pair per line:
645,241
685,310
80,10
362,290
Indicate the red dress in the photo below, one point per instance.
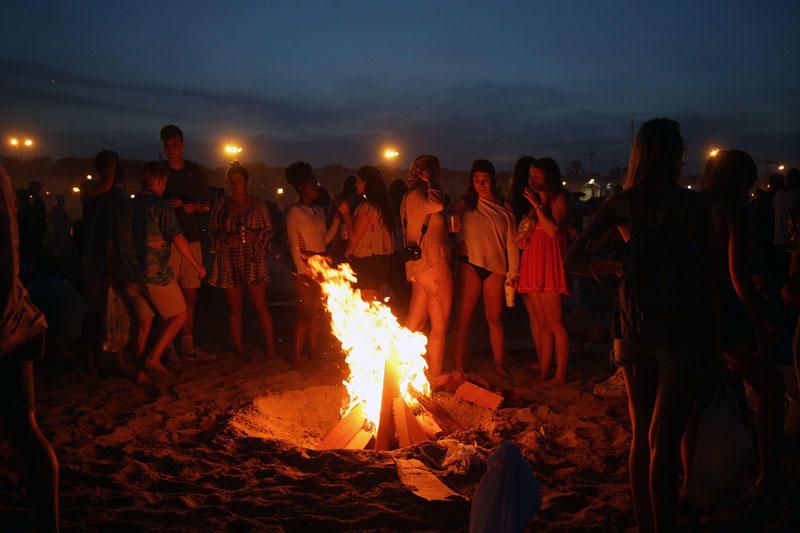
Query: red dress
541,266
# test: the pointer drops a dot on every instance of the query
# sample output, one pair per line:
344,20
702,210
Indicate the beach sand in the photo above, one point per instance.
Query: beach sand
228,445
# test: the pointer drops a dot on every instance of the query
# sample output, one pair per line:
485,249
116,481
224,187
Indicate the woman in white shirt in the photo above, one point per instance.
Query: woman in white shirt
370,249
429,270
308,235
488,259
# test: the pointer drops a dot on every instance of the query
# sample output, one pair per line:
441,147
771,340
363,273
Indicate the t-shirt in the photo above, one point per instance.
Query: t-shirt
97,224
20,320
188,184
145,229
307,233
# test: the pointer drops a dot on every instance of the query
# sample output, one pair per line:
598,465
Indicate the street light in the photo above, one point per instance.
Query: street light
28,142
76,189
280,190
390,153
88,176
713,152
232,149
781,167
13,141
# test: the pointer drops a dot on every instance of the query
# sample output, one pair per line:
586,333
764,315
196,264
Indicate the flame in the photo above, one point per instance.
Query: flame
370,336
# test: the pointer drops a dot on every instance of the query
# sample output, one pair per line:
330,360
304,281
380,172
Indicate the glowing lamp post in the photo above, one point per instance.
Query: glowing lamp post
28,142
781,167
13,141
713,152
233,150
390,154
76,190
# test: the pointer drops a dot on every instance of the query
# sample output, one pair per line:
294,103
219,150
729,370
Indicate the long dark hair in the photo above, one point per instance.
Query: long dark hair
657,154
519,180
376,194
552,174
731,173
480,165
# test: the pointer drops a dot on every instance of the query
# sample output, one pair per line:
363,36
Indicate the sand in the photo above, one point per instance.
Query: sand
229,446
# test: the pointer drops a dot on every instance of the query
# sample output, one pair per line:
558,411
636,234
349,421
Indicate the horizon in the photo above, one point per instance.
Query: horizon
342,83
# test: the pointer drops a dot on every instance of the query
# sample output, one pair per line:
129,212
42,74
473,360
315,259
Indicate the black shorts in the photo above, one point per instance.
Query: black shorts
16,377
482,273
371,271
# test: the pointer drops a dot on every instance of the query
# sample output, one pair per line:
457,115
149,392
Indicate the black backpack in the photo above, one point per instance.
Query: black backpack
662,285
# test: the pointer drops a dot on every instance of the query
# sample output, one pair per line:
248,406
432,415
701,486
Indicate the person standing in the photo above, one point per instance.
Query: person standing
782,202
542,277
666,319
488,259
370,247
102,201
308,235
240,229
427,255
189,193
146,230
32,223
22,341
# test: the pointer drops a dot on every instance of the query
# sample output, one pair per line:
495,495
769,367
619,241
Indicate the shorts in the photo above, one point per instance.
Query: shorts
186,276
148,300
692,361
371,271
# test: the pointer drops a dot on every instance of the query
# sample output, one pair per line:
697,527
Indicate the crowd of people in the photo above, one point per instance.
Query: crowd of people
705,280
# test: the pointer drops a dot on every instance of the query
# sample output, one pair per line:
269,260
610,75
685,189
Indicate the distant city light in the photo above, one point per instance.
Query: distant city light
88,176
390,153
76,189
133,196
280,190
591,181
28,142
781,167
713,152
564,183
13,141
688,186
232,149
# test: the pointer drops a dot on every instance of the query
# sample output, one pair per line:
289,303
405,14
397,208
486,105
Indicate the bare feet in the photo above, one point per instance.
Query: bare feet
501,371
156,366
555,382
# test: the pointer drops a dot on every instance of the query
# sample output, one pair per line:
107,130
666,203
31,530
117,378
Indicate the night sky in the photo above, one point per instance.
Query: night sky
335,82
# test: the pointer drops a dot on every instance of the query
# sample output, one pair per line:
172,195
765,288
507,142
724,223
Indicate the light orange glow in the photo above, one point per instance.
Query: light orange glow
713,152
280,190
370,335
13,141
232,149
28,142
781,167
76,189
390,153
88,176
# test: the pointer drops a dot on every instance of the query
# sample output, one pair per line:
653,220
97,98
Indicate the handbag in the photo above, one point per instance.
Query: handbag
413,252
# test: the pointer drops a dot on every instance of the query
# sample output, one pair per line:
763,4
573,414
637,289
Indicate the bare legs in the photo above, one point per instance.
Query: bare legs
432,289
171,327
257,295
660,402
765,380
37,462
307,325
470,288
552,333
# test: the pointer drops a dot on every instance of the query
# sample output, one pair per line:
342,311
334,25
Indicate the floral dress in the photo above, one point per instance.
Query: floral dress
241,241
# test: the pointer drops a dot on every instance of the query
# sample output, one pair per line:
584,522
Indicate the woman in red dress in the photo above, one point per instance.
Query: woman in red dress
543,233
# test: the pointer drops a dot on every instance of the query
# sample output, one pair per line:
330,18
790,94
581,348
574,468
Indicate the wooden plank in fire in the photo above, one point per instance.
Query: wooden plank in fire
409,432
348,433
479,396
439,413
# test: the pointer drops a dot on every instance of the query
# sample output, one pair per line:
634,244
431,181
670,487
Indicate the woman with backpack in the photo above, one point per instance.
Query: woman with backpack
665,325
542,281
426,252
744,339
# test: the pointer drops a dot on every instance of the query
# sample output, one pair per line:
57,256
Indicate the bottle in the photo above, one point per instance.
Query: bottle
511,294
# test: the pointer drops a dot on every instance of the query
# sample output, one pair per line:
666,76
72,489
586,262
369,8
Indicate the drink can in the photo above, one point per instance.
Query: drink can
454,223
511,294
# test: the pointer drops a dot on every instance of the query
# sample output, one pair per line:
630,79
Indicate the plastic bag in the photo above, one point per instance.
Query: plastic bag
722,450
460,457
508,494
117,325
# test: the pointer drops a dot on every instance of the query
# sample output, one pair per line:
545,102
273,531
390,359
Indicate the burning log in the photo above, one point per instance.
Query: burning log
442,417
349,434
408,429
